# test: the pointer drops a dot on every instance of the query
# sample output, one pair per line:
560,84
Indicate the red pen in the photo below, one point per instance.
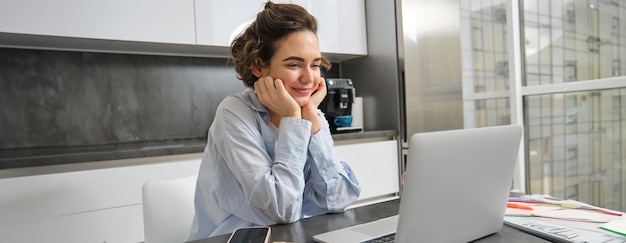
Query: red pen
517,205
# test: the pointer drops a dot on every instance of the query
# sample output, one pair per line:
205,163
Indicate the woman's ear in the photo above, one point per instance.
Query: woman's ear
257,68
257,72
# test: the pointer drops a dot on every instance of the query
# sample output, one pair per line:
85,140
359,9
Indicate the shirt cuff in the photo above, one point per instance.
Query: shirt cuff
293,139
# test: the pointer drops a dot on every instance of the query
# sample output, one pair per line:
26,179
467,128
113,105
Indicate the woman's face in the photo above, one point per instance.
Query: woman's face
297,63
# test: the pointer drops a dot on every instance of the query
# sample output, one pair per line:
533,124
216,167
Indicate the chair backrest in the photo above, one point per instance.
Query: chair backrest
168,209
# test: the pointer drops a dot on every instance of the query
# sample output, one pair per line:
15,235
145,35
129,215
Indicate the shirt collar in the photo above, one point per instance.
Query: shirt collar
250,95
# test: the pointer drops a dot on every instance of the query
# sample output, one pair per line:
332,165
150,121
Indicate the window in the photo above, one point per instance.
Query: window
565,84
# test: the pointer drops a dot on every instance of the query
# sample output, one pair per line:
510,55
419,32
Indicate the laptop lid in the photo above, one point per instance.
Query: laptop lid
455,190
457,183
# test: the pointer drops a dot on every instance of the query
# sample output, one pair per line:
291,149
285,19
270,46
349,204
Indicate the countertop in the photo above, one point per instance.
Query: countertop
97,156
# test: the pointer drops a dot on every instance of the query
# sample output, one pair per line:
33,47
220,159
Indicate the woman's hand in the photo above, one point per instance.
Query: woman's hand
309,111
273,95
319,95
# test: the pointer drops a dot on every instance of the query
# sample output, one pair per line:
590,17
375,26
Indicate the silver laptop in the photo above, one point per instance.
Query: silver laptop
456,187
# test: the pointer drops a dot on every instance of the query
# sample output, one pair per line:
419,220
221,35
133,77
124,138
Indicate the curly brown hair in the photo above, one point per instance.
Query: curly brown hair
259,40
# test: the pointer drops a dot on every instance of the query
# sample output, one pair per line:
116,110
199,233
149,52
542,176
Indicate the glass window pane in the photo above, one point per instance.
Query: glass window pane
577,40
577,146
484,45
492,112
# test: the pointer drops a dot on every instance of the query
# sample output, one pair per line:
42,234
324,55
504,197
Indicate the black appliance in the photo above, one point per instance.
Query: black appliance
338,104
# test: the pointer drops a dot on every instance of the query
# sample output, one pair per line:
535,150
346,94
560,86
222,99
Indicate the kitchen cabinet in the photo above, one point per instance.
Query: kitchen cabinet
218,22
93,205
376,167
341,27
161,21
119,224
166,27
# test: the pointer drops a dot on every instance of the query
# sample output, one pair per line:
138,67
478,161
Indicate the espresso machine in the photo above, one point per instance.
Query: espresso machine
338,105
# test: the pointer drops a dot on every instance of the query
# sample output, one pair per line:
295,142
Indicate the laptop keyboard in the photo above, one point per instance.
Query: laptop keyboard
383,239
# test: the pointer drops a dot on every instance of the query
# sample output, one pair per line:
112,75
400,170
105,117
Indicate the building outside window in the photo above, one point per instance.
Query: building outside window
559,68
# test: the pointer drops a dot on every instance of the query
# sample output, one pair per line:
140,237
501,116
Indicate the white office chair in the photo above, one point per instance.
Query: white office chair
168,209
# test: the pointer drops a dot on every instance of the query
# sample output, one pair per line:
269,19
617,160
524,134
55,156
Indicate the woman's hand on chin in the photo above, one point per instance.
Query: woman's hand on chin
273,95
309,111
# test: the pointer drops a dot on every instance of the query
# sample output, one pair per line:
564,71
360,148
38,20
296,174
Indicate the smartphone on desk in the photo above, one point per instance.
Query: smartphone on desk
254,234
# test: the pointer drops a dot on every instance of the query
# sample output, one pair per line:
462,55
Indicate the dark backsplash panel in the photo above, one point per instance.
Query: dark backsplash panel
59,102
60,107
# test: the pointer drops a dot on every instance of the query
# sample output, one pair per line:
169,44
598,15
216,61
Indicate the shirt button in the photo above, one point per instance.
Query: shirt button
330,198
271,140
322,172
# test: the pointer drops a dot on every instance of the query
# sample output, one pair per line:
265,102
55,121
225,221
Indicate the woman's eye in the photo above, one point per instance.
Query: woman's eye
293,65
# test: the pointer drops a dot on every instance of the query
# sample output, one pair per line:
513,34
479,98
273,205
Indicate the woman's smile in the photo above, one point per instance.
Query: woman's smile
302,91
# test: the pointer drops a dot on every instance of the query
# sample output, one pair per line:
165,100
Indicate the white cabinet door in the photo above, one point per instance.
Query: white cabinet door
117,224
101,205
160,21
375,165
218,22
341,27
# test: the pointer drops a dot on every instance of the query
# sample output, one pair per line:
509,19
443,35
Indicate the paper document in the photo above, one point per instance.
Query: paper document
562,213
553,229
566,203
551,210
616,226
574,214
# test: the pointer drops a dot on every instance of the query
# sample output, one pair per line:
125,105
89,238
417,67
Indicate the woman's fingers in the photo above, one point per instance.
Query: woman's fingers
273,95
319,94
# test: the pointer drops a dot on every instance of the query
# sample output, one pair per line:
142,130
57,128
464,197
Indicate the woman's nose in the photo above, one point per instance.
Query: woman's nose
308,75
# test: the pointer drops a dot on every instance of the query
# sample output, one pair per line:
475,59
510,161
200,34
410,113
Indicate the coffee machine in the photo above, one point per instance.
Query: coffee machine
338,105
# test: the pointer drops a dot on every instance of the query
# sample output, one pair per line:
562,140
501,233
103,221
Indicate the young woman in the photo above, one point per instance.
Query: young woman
269,157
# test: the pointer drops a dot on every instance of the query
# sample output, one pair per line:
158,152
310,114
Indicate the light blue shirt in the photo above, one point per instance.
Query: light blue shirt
253,173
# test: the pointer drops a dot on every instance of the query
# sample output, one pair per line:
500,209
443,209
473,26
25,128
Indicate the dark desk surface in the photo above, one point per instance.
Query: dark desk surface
305,229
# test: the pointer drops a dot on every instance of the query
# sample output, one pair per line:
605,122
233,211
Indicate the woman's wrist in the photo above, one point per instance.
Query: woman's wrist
310,114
